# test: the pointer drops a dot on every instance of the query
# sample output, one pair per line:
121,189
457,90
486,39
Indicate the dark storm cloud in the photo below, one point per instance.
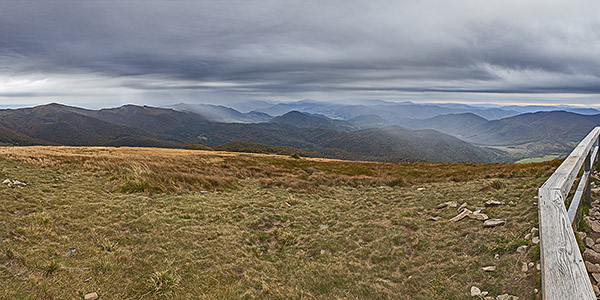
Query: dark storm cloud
281,47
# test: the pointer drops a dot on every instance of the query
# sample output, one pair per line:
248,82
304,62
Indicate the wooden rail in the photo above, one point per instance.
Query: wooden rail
563,272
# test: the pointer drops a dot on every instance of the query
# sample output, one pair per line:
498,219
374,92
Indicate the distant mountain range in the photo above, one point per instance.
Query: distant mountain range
131,125
383,131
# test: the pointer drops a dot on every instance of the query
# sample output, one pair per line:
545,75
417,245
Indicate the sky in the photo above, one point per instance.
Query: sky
107,53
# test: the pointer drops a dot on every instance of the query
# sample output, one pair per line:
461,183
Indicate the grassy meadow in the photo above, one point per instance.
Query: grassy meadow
144,223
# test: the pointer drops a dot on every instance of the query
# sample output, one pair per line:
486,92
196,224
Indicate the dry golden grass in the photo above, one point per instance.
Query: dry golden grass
143,230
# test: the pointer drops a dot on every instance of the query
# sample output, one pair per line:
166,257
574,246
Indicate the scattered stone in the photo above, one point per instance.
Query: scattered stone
582,235
460,216
420,189
87,279
478,216
91,296
512,203
522,249
489,268
534,231
453,204
323,226
528,236
524,267
596,248
447,204
589,242
497,256
596,290
591,256
507,297
433,219
591,267
595,226
494,222
530,265
462,206
598,241
596,276
493,203
204,192
536,291
475,291
6,181
535,240
538,266
71,251
484,293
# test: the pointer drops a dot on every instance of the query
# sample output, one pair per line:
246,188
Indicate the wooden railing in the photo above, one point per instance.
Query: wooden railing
563,272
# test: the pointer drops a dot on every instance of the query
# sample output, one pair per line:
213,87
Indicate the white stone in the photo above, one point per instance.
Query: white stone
91,296
494,222
489,268
475,291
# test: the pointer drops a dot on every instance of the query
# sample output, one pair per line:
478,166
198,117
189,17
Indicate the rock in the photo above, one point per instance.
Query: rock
447,204
591,267
494,222
489,268
589,242
18,183
538,266
596,290
420,189
534,231
6,181
535,240
595,226
91,296
598,241
582,235
535,291
522,249
483,294
323,226
433,219
462,206
475,291
530,265
460,216
493,203
496,256
524,267
527,236
596,276
591,256
596,248
452,204
71,251
479,216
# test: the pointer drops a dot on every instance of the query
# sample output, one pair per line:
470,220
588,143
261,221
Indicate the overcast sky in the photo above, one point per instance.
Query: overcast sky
106,53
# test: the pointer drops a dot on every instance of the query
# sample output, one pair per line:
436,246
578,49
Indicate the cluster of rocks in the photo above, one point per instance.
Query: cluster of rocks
533,237
477,214
591,255
14,183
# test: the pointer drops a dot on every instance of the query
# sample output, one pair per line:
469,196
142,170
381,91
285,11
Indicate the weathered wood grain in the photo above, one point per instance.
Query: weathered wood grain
563,273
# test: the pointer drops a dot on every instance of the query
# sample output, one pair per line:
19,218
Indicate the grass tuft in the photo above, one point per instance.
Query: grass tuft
163,283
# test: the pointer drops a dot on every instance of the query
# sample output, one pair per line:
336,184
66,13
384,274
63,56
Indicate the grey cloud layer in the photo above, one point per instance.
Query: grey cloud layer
279,47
